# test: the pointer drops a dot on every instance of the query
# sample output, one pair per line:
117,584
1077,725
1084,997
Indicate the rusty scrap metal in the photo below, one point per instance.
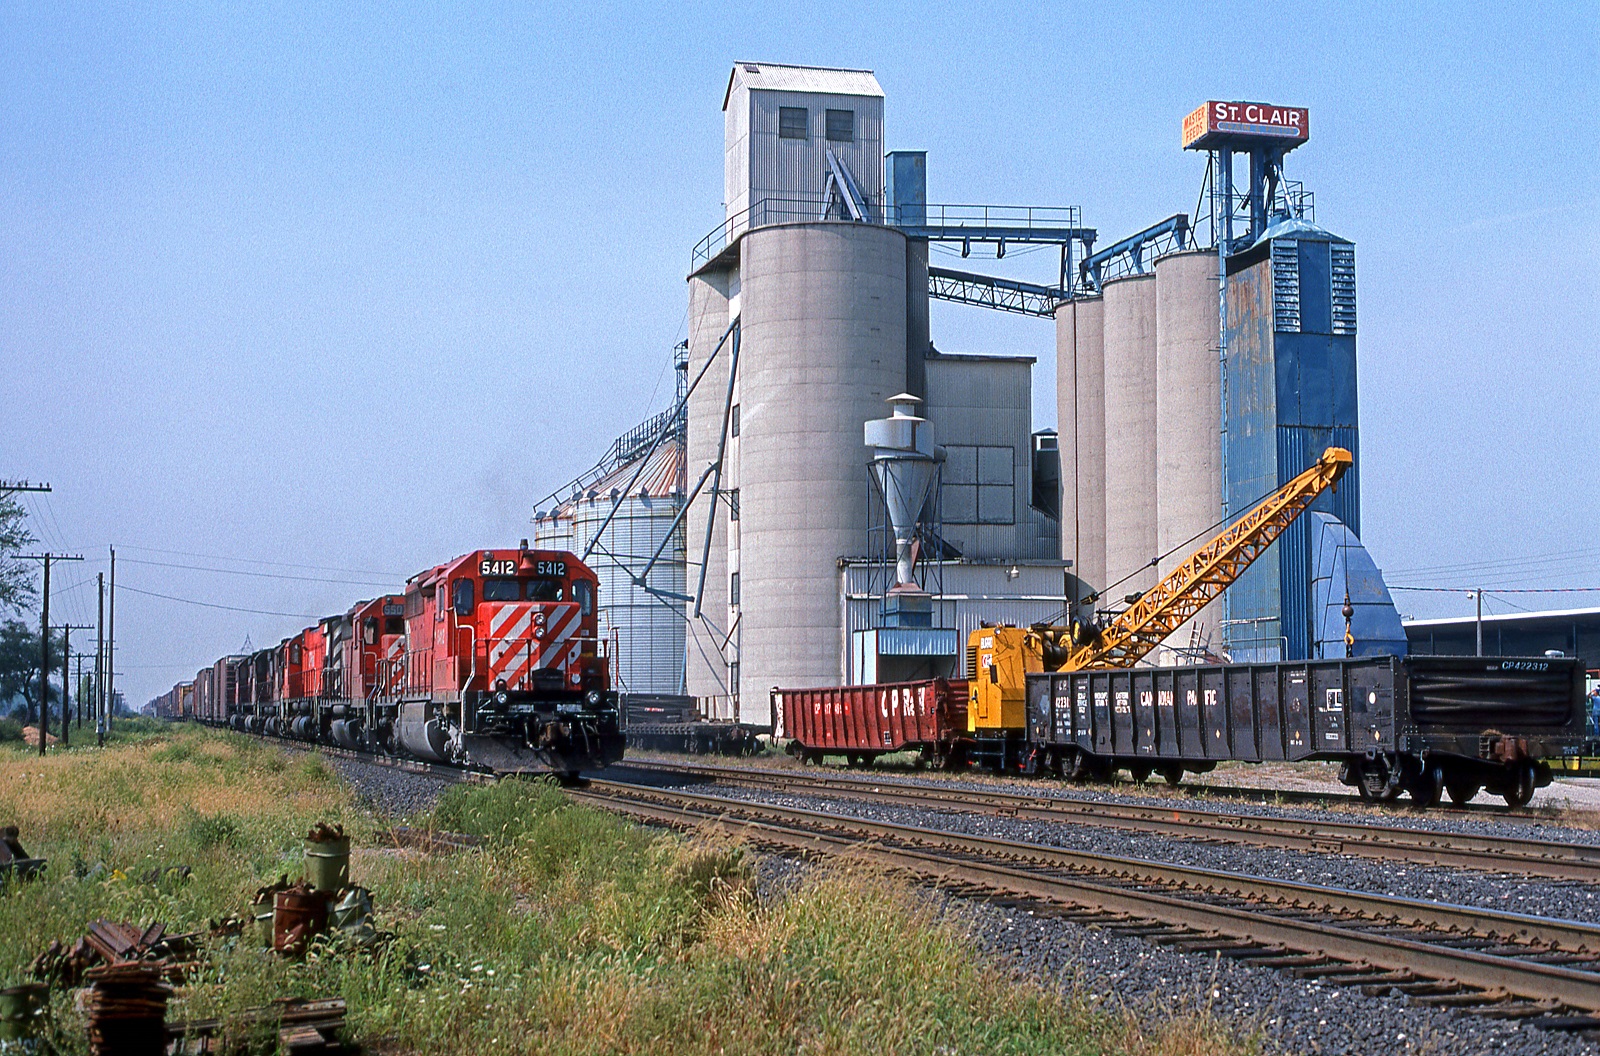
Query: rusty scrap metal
126,1007
298,914
432,840
305,1028
115,943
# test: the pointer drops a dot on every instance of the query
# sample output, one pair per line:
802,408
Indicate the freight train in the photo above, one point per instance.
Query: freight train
1418,725
492,660
1075,699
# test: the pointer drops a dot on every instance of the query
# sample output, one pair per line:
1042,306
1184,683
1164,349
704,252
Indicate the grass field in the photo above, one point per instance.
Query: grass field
570,932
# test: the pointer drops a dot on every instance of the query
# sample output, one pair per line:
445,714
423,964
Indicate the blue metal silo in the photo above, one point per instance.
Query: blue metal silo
1291,392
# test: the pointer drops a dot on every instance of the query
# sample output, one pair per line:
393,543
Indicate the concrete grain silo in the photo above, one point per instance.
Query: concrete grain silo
1188,416
1130,423
823,315
1081,418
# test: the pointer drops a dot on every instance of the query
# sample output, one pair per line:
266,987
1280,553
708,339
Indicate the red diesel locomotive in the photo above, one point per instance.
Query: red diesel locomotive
491,660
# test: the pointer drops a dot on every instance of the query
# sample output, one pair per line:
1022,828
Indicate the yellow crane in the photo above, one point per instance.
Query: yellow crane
1000,658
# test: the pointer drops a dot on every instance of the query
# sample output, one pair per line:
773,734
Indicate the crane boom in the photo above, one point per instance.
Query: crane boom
1206,572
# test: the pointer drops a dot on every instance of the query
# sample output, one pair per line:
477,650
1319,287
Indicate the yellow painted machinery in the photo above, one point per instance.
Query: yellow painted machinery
1000,658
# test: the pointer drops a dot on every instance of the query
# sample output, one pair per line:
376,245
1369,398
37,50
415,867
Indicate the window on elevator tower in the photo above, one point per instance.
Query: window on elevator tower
792,122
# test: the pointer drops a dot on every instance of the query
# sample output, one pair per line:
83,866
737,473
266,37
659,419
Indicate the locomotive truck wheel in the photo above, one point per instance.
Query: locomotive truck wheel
1173,775
1520,790
1462,789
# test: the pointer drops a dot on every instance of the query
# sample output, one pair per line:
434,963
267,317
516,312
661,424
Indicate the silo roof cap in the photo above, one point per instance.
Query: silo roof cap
1293,227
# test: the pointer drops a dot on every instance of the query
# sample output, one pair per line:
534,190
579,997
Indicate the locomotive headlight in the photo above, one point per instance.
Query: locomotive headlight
593,697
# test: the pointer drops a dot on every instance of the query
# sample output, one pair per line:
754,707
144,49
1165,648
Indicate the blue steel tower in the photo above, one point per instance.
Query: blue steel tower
1288,361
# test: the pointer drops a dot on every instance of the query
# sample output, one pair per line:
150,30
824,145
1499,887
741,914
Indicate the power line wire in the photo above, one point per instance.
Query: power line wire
259,561
261,575
214,605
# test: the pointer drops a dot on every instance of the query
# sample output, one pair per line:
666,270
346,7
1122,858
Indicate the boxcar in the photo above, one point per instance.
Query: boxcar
1419,724
864,722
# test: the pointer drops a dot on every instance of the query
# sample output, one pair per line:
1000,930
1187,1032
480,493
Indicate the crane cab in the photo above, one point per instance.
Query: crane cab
998,661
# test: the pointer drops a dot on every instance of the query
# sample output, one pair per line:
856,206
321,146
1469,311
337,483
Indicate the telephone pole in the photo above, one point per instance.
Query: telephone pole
44,640
100,666
66,630
111,646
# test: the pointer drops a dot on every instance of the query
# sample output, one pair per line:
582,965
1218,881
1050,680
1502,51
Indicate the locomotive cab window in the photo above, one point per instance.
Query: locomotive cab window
502,590
369,630
394,625
462,601
546,590
583,593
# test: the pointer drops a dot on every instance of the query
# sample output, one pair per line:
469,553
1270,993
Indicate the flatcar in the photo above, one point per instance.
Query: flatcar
491,660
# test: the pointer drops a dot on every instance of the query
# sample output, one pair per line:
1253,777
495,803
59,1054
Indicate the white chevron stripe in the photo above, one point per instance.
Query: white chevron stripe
505,640
497,620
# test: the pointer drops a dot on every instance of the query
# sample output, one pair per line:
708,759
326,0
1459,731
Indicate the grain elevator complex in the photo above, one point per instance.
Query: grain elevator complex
835,499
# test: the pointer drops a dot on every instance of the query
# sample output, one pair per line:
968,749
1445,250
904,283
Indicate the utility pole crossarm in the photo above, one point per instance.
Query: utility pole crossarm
1206,572
21,485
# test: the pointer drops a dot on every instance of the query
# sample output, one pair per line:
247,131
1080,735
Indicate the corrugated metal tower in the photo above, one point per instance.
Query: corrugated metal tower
1288,363
1291,366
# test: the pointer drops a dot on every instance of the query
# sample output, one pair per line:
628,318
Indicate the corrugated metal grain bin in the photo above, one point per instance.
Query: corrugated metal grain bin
874,720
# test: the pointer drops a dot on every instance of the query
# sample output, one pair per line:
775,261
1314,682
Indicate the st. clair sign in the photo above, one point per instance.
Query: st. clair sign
1218,124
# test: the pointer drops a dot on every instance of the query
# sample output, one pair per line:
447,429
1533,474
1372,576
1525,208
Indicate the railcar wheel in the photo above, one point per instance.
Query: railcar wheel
1374,783
1077,768
1523,781
1140,774
1462,790
1173,775
1425,786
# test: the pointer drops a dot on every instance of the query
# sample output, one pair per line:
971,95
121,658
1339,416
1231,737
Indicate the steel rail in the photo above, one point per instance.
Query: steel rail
1550,859
1347,926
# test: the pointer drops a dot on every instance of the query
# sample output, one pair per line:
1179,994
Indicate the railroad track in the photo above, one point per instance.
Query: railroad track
1548,859
1544,972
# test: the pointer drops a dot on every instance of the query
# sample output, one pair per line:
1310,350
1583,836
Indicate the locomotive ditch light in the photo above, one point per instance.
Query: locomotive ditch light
502,697
593,697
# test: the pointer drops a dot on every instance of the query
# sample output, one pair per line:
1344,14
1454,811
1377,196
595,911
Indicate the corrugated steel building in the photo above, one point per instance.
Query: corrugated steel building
1291,384
1575,632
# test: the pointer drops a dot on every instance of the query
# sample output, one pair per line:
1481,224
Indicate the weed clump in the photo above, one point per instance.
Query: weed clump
209,831
501,813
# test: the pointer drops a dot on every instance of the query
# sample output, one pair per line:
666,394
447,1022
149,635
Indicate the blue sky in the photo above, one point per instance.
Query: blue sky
351,287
